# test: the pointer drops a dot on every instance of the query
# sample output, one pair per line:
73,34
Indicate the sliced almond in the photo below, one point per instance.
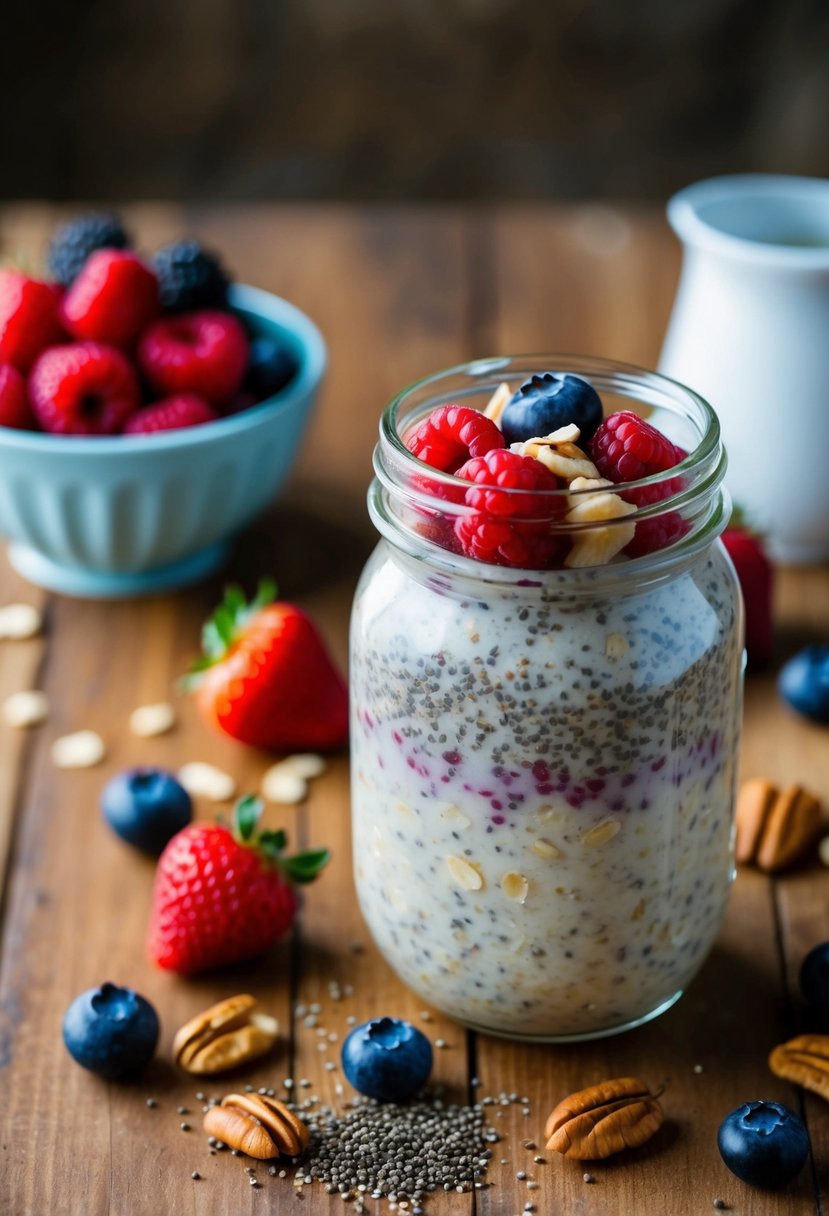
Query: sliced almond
823,851
498,402
83,749
597,546
207,780
149,720
26,708
455,817
19,621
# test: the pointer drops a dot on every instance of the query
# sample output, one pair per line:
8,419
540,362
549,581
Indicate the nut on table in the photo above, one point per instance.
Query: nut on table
259,1126
232,1032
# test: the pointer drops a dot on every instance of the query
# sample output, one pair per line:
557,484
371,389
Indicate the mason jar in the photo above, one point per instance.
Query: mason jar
544,761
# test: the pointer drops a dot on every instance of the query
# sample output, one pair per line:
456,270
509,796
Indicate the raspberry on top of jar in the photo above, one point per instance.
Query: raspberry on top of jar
545,467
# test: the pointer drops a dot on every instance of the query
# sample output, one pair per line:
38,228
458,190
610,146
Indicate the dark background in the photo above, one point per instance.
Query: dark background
422,99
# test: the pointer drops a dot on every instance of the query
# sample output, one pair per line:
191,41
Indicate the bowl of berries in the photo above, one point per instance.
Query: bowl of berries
149,409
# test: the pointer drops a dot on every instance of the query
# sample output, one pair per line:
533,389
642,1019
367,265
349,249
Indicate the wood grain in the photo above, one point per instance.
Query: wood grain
398,292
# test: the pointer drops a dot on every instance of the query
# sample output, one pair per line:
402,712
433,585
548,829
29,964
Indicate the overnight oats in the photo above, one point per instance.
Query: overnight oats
546,686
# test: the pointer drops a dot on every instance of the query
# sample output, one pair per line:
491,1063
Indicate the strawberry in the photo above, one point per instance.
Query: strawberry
266,677
224,894
756,575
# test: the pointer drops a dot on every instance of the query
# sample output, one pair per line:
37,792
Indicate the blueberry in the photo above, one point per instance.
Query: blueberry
146,807
546,402
111,1031
804,682
814,978
387,1059
271,365
764,1143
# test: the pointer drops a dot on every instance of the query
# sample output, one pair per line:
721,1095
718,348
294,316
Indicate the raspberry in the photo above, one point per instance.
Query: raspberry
28,318
15,410
171,414
657,533
510,522
196,352
111,300
451,435
189,277
83,389
74,242
626,448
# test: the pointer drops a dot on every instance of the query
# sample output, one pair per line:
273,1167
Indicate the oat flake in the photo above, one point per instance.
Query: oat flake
547,850
83,749
515,886
26,708
465,873
19,621
149,720
601,833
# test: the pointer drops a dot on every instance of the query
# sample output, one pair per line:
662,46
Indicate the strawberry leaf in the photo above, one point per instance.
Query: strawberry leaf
305,867
272,844
225,626
246,816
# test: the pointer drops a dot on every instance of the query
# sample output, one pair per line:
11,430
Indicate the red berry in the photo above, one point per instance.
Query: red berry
626,448
756,576
197,352
111,300
451,435
85,388
28,318
171,414
267,678
224,894
511,522
15,410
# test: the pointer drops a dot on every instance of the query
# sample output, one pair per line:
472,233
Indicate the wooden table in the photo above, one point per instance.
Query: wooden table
398,292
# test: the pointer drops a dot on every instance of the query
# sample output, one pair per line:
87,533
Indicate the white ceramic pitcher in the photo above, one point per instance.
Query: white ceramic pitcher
750,332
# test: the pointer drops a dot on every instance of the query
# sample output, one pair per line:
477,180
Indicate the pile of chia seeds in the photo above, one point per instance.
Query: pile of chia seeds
398,1153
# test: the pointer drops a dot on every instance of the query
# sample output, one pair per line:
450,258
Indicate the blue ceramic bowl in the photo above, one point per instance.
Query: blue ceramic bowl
129,515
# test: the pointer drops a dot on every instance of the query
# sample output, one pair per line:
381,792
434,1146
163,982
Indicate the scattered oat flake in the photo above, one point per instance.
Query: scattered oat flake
515,886
498,402
281,785
823,850
601,833
83,749
26,708
304,764
207,780
149,720
464,873
19,621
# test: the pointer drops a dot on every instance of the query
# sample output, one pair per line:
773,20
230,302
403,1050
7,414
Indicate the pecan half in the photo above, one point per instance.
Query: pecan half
229,1033
804,1060
259,1126
775,827
604,1119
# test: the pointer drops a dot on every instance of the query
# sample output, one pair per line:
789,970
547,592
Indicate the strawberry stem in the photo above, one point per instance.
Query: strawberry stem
221,630
300,867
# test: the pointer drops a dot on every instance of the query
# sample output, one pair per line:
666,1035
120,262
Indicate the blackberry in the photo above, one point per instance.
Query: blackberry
189,277
73,242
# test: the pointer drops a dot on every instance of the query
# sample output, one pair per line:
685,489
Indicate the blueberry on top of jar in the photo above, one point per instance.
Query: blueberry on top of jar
548,401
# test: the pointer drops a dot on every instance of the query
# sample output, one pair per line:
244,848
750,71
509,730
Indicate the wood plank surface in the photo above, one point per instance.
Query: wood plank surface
398,292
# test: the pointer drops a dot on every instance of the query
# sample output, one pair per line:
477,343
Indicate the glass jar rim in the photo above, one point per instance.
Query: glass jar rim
576,365
402,480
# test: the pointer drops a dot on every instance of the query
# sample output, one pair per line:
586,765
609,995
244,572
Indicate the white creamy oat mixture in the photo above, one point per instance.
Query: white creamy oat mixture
543,789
